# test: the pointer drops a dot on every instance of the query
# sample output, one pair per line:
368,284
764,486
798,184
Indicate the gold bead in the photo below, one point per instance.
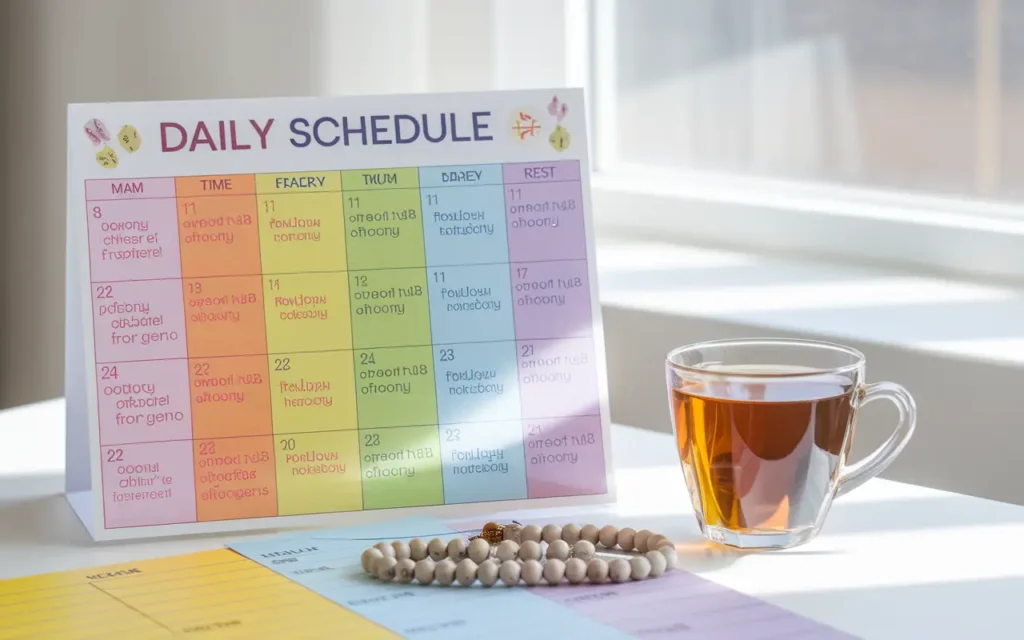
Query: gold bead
492,532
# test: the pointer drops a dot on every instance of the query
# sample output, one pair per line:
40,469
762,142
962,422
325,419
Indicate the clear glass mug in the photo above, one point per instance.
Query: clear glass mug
764,429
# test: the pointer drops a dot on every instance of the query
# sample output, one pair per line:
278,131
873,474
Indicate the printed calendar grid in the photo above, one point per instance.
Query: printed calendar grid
257,448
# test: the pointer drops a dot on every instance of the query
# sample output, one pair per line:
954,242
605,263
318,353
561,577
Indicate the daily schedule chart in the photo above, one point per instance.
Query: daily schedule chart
303,331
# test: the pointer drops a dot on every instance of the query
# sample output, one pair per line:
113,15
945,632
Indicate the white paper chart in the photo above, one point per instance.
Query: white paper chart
291,308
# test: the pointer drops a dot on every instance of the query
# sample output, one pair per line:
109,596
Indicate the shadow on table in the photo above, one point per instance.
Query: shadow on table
982,608
33,511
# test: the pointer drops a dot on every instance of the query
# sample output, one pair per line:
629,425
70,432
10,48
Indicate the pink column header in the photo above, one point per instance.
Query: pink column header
129,189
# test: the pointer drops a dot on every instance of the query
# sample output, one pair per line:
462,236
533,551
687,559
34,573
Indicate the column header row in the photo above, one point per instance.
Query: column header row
320,181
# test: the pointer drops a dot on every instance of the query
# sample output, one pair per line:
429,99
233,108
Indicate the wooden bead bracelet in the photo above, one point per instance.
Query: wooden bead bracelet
512,553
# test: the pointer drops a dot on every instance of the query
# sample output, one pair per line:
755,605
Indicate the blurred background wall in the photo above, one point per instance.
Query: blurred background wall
55,52
58,52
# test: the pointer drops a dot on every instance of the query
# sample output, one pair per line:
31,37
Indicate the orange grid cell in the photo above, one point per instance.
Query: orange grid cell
235,185
235,478
218,235
230,397
224,316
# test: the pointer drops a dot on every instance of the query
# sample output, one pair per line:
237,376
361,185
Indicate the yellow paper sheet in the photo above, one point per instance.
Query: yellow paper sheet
215,594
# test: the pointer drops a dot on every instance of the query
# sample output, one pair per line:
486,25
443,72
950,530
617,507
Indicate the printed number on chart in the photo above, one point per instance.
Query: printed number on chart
353,202
273,284
201,369
360,281
104,292
108,372
447,355
195,287
432,199
439,276
115,455
533,430
282,364
207,448
288,444
268,206
526,351
97,212
367,358
451,435
372,439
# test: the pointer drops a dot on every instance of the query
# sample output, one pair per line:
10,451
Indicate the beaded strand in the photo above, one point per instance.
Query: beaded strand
512,554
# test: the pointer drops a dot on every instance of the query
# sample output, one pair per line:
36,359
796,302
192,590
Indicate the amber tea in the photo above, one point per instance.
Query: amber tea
764,448
763,456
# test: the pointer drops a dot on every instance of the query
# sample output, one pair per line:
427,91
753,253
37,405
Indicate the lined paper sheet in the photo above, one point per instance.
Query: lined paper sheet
682,605
215,594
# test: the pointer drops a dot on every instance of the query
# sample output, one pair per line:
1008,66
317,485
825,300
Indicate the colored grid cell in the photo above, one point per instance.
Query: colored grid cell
230,397
195,186
313,392
483,462
301,232
235,478
318,473
133,240
533,172
466,175
144,401
401,467
390,307
298,182
564,457
225,316
307,312
219,235
148,484
374,179
476,382
470,304
545,221
552,299
395,387
129,189
464,225
558,378
384,229
138,320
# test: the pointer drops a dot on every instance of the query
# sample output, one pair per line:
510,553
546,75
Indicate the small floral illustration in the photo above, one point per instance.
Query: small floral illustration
97,132
107,157
524,125
560,139
557,109
129,138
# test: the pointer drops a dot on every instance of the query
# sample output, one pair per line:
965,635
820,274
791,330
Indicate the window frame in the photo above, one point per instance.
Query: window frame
940,235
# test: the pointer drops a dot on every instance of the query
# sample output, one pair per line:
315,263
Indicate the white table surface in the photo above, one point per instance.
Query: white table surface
894,560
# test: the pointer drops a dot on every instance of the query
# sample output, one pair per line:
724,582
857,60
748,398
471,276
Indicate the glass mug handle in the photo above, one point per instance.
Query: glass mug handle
858,473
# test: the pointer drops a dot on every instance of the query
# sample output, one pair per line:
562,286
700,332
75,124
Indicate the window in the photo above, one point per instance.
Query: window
859,129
